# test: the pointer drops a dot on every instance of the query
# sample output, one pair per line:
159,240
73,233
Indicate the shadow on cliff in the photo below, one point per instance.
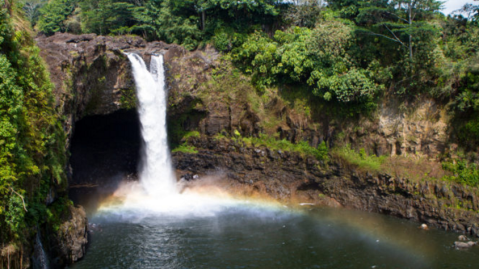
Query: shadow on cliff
105,150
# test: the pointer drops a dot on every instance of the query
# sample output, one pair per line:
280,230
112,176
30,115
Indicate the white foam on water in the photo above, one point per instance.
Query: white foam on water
157,192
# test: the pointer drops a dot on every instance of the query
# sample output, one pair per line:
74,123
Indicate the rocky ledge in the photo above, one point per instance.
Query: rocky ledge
291,177
69,242
92,74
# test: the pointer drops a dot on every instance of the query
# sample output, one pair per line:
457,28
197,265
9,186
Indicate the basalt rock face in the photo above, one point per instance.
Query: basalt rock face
293,178
68,244
92,74
207,96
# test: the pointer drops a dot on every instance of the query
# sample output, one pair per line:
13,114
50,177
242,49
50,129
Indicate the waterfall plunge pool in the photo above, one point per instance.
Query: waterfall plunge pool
228,234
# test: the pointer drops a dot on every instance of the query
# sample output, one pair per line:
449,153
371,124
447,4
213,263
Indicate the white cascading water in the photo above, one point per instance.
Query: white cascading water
156,173
157,178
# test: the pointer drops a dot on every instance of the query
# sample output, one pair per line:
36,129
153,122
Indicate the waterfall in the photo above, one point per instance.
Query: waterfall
39,258
156,174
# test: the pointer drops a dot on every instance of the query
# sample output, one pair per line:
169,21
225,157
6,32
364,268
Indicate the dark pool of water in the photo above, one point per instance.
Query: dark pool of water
245,236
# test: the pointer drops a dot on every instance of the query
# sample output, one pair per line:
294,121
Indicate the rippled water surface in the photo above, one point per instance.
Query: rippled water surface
243,235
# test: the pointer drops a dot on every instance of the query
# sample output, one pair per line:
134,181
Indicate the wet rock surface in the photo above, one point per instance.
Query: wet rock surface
68,244
290,177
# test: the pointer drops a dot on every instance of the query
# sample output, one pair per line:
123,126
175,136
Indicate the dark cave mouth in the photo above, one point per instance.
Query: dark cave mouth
105,151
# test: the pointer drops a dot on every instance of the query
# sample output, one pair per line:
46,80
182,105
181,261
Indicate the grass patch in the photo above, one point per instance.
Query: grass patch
220,136
185,148
360,159
270,142
191,134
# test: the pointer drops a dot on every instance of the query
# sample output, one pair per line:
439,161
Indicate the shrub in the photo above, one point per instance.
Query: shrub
463,173
222,42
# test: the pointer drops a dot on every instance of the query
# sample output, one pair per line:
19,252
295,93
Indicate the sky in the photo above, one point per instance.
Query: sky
452,5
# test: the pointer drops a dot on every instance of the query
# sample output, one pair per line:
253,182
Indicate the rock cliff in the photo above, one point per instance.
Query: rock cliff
293,178
208,94
92,77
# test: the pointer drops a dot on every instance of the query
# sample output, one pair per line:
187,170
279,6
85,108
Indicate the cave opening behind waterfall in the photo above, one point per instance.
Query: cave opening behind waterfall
105,151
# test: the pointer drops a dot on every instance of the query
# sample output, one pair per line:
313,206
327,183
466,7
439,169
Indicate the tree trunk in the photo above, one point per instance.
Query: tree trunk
410,27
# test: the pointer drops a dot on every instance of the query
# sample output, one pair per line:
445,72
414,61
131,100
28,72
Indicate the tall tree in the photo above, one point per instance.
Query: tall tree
31,8
54,15
399,20
303,13
108,16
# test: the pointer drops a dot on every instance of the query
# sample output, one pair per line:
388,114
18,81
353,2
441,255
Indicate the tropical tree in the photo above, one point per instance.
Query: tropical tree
54,14
107,16
400,21
31,8
190,22
303,13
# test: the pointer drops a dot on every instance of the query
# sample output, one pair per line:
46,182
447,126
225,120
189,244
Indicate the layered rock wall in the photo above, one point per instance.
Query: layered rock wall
292,178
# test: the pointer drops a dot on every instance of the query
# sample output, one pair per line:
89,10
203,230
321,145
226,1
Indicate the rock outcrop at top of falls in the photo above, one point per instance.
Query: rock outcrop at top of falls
91,73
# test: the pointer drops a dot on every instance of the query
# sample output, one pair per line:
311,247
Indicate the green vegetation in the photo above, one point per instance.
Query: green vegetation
182,137
272,143
185,148
346,52
191,134
463,172
54,16
188,22
360,159
318,57
128,99
32,149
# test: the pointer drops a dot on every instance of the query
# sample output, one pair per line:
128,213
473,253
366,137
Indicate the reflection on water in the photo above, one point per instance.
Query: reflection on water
225,233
